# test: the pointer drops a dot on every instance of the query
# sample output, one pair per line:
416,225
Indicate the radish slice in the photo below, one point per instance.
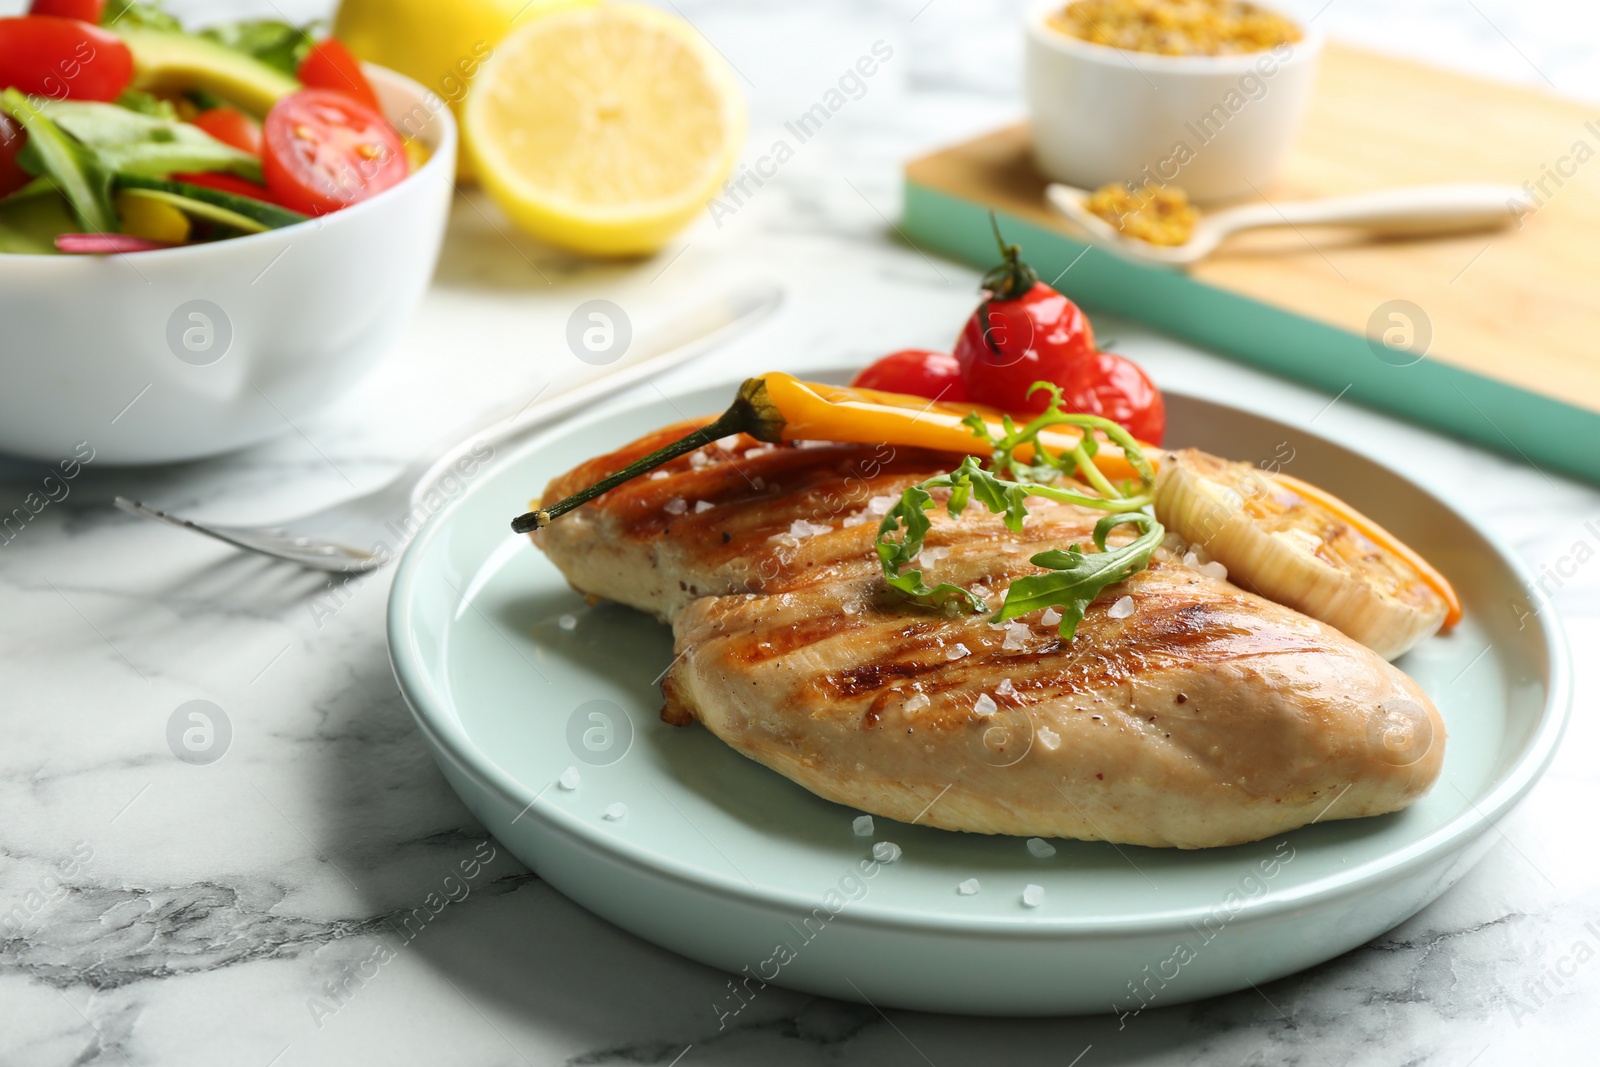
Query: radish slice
102,244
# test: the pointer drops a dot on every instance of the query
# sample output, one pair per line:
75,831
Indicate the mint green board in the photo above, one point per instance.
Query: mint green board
1535,429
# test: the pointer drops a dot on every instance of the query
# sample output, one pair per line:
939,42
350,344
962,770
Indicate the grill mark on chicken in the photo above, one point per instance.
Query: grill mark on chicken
1209,716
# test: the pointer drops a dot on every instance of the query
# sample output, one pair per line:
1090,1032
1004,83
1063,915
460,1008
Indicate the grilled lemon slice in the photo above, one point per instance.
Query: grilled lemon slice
1302,552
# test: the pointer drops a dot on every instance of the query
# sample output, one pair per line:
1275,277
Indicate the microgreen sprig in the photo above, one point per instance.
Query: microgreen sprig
1074,577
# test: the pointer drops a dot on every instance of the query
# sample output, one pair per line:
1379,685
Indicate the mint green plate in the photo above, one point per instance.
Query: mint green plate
513,680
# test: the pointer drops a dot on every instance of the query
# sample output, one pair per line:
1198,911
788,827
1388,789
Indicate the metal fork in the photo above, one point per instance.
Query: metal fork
330,538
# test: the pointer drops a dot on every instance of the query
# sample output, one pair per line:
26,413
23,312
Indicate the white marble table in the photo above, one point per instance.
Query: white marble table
157,912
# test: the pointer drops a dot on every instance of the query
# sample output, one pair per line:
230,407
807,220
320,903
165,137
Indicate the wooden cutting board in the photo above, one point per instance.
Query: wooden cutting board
1514,314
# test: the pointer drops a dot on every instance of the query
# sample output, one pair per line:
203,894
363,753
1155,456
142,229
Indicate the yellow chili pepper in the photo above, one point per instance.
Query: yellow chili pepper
811,411
779,407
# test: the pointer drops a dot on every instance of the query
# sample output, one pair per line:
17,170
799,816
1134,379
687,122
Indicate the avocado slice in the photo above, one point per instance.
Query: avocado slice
177,62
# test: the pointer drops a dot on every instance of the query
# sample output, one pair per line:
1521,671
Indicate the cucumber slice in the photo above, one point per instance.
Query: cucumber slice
238,212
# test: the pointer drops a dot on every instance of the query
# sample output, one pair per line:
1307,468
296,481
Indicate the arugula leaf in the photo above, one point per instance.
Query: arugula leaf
278,44
912,512
145,146
74,168
1076,577
133,14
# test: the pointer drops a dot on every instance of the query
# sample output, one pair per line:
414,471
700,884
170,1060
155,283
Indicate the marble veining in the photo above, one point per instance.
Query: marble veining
318,895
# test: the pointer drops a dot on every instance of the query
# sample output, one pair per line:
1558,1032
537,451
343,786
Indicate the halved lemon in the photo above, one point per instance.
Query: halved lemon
604,129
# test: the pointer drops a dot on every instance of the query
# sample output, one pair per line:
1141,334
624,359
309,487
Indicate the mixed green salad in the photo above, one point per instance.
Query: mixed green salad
122,132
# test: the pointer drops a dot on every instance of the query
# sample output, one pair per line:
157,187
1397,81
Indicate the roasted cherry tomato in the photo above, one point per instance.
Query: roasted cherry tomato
1023,332
12,138
1104,383
330,65
83,10
227,183
916,372
323,151
63,59
231,126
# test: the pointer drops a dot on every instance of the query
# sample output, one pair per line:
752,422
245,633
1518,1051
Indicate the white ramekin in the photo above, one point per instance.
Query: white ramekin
109,351
1217,127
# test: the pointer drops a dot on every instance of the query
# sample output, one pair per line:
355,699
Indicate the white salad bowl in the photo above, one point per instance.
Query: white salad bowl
154,357
1217,127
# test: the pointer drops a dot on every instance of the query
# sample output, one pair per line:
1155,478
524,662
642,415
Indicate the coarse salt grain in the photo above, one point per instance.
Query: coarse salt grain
960,651
702,506
968,888
985,705
880,505
568,622
656,476
1040,849
1190,559
862,825
885,851
1032,895
568,779
752,453
1005,689
918,702
698,459
616,811
676,506
1122,608
933,555
1213,570
1048,738
1016,637
802,528
858,518
1050,617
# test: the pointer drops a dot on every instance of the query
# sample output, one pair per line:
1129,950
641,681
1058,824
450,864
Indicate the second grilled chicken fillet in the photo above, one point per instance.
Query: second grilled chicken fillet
1207,716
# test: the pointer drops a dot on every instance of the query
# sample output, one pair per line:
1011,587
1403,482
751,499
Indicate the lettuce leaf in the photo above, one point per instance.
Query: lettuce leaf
147,146
74,167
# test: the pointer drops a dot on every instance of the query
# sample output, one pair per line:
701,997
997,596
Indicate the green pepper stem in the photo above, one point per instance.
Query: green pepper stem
734,420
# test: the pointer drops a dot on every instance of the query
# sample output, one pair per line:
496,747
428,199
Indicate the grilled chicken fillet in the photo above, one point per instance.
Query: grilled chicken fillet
1207,716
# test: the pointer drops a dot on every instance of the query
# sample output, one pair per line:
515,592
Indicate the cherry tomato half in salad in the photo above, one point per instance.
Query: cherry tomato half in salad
82,10
916,372
231,127
324,151
1104,383
330,65
12,138
63,59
